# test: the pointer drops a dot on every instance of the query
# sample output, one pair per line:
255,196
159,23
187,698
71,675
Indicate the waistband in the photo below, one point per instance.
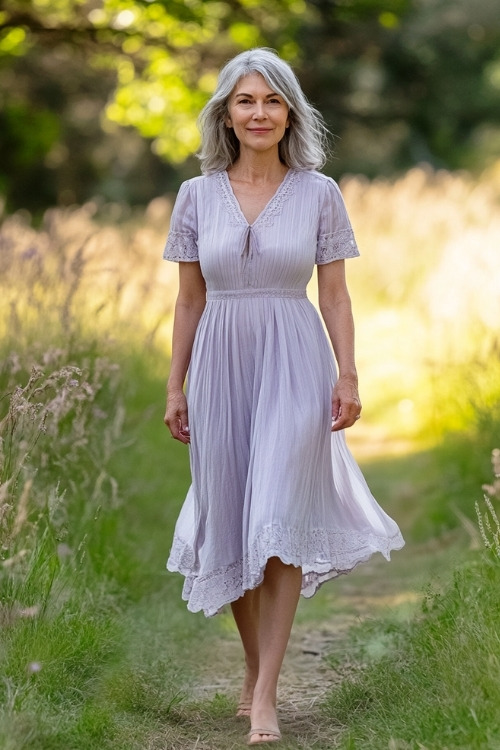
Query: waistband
246,293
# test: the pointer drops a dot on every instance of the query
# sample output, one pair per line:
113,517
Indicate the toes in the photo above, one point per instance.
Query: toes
262,736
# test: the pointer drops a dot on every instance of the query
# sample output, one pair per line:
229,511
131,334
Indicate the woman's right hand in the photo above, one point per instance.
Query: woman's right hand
176,416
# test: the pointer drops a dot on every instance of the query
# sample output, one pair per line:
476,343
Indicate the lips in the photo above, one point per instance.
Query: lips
259,130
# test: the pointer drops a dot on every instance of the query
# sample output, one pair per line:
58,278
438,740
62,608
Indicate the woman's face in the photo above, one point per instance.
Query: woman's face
257,114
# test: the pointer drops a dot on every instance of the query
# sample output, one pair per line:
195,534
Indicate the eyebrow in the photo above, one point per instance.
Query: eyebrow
250,96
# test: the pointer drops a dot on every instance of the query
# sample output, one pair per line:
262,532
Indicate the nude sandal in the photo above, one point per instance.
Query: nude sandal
243,710
274,733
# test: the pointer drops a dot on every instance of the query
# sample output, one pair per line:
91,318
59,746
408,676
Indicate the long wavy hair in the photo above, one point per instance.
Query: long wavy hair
305,143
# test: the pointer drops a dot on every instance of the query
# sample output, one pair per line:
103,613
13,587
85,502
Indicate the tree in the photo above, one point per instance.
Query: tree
72,71
102,96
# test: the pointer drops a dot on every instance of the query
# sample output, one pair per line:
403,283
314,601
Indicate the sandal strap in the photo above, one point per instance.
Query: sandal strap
259,730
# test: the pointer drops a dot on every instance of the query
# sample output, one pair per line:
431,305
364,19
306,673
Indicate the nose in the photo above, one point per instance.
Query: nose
259,112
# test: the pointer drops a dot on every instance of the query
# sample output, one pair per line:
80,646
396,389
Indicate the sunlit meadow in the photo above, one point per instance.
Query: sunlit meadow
426,290
85,322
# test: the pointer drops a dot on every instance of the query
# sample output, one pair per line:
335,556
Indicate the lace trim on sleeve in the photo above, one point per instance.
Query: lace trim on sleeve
180,247
336,246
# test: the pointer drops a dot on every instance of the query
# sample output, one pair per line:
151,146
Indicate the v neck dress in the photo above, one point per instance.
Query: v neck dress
269,478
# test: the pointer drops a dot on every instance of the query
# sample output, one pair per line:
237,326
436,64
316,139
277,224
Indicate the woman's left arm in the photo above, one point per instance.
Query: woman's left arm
335,307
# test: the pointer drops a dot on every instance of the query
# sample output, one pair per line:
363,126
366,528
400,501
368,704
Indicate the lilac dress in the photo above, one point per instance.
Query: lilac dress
269,478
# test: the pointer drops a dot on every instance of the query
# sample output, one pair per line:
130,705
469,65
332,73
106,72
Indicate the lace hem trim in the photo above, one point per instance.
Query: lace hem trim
241,293
268,214
180,247
322,555
336,246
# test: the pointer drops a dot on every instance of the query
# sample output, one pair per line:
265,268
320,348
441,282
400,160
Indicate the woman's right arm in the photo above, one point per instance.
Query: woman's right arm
188,309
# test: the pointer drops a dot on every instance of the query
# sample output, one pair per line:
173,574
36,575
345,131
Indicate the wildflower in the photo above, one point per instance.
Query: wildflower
34,667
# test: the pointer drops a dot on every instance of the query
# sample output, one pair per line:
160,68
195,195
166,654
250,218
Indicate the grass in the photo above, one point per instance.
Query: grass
121,658
430,681
97,648
78,670
433,682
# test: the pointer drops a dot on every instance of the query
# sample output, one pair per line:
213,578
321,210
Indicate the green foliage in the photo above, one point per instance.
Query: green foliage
148,66
398,81
436,684
470,392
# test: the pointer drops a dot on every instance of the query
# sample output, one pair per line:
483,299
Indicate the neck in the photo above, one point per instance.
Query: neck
258,168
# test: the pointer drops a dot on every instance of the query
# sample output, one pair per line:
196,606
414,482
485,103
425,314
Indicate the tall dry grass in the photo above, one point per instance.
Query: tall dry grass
488,521
59,428
427,282
427,298
92,272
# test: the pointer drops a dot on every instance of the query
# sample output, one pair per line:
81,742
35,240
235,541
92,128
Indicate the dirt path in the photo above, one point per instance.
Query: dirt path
305,681
321,630
306,676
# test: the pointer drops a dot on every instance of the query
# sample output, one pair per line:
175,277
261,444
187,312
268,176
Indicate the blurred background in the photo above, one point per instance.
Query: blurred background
101,98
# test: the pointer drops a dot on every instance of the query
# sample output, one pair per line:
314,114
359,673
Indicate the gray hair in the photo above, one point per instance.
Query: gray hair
305,143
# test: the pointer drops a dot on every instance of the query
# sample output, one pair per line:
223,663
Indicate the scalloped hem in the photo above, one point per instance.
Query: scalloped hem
211,592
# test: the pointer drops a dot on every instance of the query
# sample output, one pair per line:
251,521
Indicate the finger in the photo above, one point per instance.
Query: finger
349,413
185,434
181,436
336,408
176,430
340,424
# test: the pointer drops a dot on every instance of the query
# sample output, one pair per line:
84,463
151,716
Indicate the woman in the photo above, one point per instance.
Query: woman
277,505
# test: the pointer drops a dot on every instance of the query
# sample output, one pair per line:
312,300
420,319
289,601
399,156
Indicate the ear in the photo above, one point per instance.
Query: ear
227,122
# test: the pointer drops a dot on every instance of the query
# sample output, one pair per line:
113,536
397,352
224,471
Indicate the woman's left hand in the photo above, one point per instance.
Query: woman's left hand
346,406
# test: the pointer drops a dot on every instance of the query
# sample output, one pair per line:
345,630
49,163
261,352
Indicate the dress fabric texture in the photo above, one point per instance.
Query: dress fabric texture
269,478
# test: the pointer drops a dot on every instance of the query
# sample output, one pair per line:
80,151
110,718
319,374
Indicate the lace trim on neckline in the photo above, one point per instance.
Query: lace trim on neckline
270,210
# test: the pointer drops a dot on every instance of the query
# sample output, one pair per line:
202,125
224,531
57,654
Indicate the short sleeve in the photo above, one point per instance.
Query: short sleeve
335,236
182,240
